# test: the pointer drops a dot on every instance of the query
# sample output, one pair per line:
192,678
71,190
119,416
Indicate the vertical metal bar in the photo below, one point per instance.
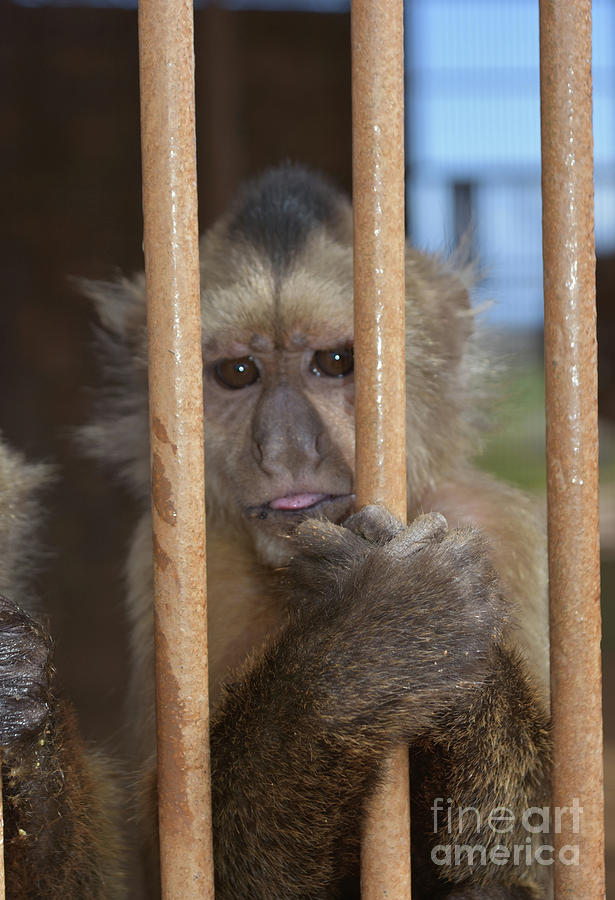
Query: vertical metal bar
378,198
2,878
176,417
572,446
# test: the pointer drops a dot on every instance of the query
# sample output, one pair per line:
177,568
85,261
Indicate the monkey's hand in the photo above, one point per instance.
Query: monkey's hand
60,837
388,628
402,620
25,674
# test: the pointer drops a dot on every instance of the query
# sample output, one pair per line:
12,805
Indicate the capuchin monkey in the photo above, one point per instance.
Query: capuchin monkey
58,797
335,634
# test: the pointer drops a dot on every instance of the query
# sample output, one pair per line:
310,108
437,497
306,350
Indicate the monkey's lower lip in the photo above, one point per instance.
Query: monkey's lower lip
300,505
297,501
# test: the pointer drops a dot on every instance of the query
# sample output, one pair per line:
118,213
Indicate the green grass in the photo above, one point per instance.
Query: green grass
514,452
514,446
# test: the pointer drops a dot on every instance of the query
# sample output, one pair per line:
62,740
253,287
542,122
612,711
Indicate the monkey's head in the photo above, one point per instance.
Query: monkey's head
277,312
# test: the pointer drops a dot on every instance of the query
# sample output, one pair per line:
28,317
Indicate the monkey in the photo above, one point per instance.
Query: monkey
41,746
20,485
336,634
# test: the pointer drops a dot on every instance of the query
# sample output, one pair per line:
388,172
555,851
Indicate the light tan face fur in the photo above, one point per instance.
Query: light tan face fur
289,433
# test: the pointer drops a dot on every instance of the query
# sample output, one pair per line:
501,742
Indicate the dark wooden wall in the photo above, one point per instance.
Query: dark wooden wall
269,87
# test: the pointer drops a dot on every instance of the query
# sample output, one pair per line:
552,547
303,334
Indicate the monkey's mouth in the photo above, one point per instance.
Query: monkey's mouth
303,505
298,501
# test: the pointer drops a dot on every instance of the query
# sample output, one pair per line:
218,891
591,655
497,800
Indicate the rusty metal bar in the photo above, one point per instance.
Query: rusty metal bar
2,877
176,417
572,445
378,198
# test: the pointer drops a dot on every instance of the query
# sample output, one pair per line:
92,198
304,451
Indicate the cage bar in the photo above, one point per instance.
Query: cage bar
2,878
176,421
572,444
379,343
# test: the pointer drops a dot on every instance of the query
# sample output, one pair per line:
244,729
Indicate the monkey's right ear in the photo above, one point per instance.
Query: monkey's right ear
120,304
118,431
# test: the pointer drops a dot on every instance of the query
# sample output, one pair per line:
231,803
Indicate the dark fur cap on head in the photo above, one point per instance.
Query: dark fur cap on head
277,212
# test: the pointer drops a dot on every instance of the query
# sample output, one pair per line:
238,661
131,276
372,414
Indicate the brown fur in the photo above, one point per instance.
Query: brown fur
20,485
61,834
331,643
52,849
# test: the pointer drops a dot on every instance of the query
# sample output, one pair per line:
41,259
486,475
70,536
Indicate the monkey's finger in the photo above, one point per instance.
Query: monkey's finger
324,540
374,523
430,526
425,529
466,539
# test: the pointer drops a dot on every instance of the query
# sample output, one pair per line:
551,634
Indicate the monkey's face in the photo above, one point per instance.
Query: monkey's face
279,402
277,307
276,277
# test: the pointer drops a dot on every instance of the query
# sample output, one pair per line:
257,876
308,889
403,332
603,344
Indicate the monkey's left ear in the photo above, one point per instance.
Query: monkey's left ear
118,432
438,306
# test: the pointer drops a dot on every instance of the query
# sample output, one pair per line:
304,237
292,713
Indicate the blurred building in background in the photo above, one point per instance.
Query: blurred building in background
473,117
473,133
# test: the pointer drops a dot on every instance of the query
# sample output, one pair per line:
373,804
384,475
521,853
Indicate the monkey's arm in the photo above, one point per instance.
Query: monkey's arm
494,751
59,840
382,637
517,550
482,765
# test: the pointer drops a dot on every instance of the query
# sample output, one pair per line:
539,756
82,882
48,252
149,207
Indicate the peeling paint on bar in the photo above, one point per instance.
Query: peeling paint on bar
176,415
2,878
378,199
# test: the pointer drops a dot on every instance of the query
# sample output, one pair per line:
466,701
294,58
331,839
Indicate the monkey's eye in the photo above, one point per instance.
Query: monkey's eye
236,373
334,363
